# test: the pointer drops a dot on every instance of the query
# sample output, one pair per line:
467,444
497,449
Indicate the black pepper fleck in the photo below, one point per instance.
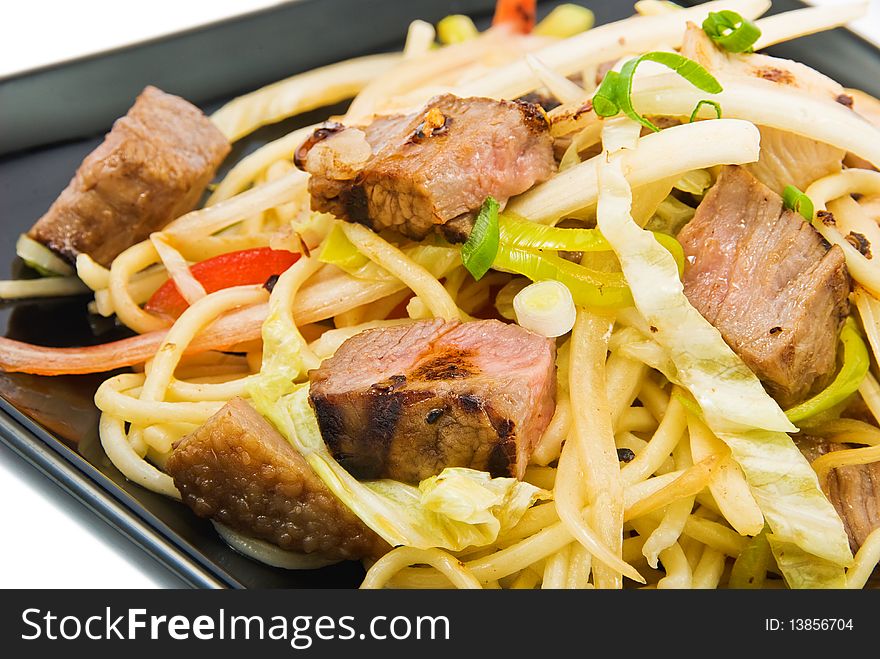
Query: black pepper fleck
860,242
625,455
826,217
433,415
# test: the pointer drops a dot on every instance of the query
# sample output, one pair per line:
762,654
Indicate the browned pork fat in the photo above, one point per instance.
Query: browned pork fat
238,470
405,402
765,279
152,167
435,168
854,490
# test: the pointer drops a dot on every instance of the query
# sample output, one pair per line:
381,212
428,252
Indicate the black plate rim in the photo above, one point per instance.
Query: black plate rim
76,476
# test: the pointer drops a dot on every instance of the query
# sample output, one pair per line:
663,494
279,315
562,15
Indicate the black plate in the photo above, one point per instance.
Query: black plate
53,117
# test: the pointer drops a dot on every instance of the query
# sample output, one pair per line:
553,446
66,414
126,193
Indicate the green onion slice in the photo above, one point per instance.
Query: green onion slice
565,21
524,234
750,567
478,253
338,250
615,92
590,288
714,104
855,366
731,31
798,202
456,28
605,99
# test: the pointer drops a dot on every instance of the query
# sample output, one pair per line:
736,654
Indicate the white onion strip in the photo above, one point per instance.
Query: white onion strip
809,20
766,104
265,552
178,269
299,93
864,270
602,44
671,152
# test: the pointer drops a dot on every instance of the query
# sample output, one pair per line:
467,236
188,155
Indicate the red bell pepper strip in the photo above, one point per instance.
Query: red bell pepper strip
248,266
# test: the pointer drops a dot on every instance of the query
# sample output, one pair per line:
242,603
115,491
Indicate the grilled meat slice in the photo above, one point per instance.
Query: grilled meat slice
238,470
151,168
405,402
437,165
854,490
768,282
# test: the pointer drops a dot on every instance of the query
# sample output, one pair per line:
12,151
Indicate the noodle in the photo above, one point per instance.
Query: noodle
865,561
668,434
383,569
728,484
591,450
419,280
695,146
687,484
250,167
556,569
298,94
709,569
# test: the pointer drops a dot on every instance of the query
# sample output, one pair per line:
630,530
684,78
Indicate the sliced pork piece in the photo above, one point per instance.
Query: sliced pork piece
854,490
436,167
765,278
405,402
238,470
152,167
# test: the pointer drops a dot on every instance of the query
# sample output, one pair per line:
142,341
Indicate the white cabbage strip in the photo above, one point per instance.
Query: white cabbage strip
669,153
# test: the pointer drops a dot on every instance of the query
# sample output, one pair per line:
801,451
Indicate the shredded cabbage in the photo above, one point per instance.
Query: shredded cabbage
670,217
734,404
803,570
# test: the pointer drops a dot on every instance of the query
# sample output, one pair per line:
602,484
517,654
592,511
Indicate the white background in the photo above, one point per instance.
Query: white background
47,539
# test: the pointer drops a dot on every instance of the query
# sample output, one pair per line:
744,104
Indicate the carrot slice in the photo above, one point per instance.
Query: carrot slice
518,14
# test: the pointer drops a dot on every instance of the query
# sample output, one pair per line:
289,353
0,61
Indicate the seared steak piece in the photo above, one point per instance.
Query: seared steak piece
435,166
854,490
765,278
238,470
151,168
405,402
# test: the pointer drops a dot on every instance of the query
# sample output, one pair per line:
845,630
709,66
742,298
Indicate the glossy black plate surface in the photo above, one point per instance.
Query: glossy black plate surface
51,118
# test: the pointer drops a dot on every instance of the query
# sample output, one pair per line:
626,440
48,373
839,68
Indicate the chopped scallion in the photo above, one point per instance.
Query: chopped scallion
798,202
731,31
478,253
714,104
615,93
